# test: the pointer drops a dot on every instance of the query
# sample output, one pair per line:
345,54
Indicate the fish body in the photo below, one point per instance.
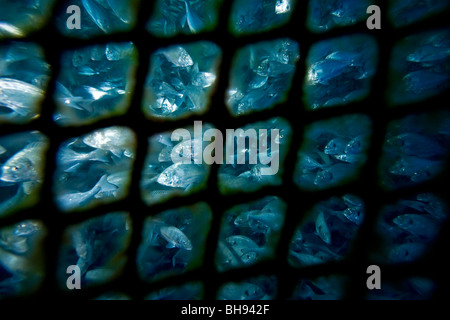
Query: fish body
420,225
98,14
24,165
406,252
178,56
175,238
113,139
322,229
194,22
72,200
336,146
241,291
122,9
323,71
415,144
271,220
181,175
415,168
19,96
355,145
69,156
354,214
305,259
241,245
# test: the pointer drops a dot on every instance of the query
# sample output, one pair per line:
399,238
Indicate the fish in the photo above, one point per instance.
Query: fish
336,146
122,9
21,97
352,201
98,14
27,228
8,29
240,245
113,139
307,162
99,274
347,57
424,80
415,168
194,22
406,252
65,98
242,219
322,229
350,158
268,219
420,225
323,71
178,56
69,157
354,214
416,144
241,291
305,259
180,175
69,201
15,264
24,166
8,205
227,256
175,238
433,205
428,54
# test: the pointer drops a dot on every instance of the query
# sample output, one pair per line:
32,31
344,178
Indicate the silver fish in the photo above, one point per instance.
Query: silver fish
69,156
175,238
113,139
24,165
181,175
178,56
20,97
336,146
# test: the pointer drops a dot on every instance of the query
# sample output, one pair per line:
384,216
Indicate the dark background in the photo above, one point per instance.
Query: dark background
433,265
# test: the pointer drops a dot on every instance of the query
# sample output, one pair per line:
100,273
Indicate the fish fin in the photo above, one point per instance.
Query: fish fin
73,168
100,155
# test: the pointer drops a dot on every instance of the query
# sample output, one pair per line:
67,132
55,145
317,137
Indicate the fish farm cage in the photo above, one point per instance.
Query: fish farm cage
91,91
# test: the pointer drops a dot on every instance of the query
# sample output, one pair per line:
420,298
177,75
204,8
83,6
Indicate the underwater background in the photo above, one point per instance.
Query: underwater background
87,179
